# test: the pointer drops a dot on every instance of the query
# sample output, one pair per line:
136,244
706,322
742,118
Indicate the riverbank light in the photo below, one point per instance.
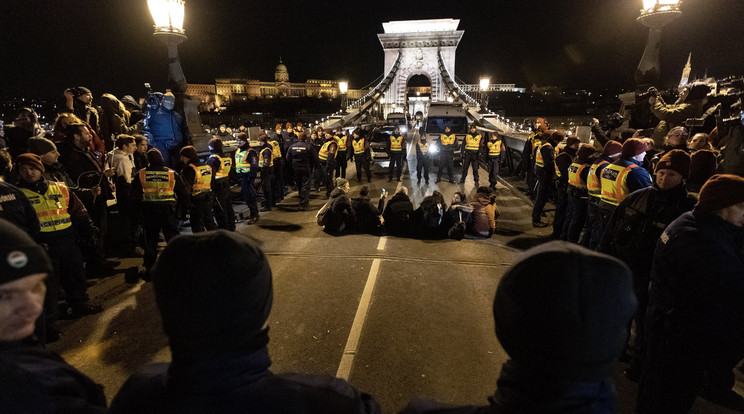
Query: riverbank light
168,16
660,6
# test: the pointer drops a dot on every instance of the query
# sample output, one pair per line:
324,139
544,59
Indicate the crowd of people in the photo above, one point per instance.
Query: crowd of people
642,226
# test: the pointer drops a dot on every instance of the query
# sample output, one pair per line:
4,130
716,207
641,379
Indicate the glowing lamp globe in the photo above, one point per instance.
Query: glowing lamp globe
484,83
168,17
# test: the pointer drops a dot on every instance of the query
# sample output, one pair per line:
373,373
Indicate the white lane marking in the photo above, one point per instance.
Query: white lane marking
352,344
381,243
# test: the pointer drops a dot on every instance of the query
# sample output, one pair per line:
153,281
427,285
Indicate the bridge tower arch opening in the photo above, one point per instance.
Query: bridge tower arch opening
418,94
419,43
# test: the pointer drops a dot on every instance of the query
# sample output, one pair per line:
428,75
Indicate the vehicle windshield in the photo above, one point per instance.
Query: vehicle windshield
382,135
435,125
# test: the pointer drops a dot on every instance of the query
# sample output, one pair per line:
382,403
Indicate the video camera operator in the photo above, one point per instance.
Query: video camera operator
690,104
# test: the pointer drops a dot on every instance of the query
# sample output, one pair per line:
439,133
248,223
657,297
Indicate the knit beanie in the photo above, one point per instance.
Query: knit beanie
211,307
189,152
563,310
30,159
20,256
633,147
612,149
555,138
702,165
340,182
720,191
40,145
155,158
675,160
698,90
80,91
215,145
585,152
571,141
627,134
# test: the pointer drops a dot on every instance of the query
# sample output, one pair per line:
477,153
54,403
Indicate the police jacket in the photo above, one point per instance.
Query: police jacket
239,383
180,190
39,381
75,208
697,280
562,162
637,223
301,154
15,207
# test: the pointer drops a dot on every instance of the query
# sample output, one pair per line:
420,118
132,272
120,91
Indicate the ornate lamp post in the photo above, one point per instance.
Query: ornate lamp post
168,16
485,82
343,88
655,15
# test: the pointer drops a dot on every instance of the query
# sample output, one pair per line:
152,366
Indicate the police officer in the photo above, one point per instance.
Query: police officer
593,228
14,205
266,168
246,167
276,140
198,179
562,161
470,150
58,209
303,159
158,189
446,154
577,193
495,147
622,177
544,172
289,139
422,159
328,157
342,153
221,166
397,151
361,153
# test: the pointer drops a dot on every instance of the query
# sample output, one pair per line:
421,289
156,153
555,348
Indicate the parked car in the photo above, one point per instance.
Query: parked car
378,142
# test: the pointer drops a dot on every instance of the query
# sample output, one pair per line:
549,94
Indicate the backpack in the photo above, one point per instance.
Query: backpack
322,216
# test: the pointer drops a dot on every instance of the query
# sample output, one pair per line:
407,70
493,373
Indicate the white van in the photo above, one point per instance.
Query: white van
439,116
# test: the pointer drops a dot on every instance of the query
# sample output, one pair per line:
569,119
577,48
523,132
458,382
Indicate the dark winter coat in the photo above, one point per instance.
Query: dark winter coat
397,215
428,218
38,381
367,215
17,209
341,216
485,214
235,384
456,220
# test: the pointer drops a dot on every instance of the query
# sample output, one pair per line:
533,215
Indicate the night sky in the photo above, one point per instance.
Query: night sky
107,45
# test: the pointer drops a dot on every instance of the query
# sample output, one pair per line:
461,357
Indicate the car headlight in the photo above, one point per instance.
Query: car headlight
433,148
403,129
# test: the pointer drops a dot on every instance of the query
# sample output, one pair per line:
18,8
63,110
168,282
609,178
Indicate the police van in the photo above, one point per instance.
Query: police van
440,116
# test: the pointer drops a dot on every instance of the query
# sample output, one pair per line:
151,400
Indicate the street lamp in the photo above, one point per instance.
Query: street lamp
655,15
168,17
485,82
343,87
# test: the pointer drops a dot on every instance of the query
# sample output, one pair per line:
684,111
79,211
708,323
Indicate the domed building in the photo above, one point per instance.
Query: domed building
224,90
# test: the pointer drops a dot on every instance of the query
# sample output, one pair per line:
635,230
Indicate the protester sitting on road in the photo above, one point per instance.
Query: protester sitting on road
397,214
427,218
485,213
34,380
458,216
341,216
563,330
218,332
367,214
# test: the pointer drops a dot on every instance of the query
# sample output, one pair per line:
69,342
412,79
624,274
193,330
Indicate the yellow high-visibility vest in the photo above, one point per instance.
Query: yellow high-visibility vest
472,143
261,156
276,151
323,153
241,161
202,179
358,146
396,143
593,183
494,148
447,140
158,186
341,141
423,147
539,162
51,207
574,175
225,166
614,183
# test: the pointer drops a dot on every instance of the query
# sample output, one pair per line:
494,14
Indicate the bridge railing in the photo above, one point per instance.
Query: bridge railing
453,87
381,87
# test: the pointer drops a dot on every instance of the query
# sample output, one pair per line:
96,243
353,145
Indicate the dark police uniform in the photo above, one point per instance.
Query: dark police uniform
302,157
223,209
470,149
446,156
396,149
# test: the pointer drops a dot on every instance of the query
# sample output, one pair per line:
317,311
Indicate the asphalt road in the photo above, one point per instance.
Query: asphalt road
400,318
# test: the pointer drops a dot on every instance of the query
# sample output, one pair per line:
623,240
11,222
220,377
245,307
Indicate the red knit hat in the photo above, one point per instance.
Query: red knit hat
675,160
585,152
155,158
721,191
571,141
702,165
612,148
189,152
633,147
30,159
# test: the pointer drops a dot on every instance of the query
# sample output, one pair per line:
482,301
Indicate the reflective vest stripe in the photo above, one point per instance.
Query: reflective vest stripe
494,148
323,153
539,162
51,207
593,183
358,146
158,185
225,166
447,139
241,164
276,151
614,185
574,175
341,141
202,179
424,148
472,143
261,156
396,143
